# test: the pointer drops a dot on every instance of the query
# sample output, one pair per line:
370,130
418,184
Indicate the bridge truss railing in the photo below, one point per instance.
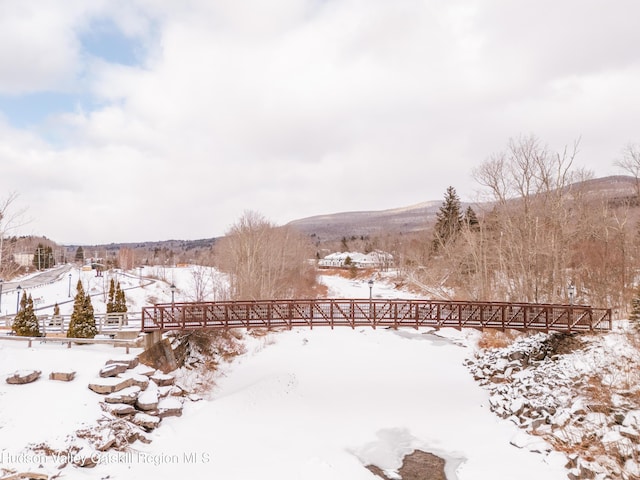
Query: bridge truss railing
374,313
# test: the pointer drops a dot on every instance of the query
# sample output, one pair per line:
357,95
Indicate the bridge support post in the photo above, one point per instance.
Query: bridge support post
151,338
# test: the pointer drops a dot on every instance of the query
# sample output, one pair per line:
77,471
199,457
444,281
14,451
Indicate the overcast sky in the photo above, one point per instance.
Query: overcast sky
131,120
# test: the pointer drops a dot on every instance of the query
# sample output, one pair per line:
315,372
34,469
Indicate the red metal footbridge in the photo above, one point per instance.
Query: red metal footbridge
326,312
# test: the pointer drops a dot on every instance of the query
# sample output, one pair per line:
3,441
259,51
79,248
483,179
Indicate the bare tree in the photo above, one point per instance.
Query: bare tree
9,220
630,162
528,231
264,260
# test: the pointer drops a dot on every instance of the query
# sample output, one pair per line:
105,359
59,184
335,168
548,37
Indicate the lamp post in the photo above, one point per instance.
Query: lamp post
173,291
18,289
1,282
370,289
69,285
572,291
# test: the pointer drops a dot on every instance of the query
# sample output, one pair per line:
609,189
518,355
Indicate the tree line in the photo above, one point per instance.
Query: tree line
538,231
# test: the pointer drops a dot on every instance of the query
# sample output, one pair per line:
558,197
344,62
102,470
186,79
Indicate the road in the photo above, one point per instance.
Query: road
47,276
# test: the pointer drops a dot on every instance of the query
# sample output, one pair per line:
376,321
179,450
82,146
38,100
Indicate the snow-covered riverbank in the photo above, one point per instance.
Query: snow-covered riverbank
298,404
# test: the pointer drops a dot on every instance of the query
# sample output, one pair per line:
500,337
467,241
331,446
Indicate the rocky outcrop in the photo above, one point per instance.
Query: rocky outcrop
136,393
565,393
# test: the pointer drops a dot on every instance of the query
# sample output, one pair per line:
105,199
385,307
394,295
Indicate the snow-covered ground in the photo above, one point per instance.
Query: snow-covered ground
299,404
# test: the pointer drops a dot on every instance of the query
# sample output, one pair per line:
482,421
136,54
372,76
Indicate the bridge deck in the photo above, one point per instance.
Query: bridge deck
374,313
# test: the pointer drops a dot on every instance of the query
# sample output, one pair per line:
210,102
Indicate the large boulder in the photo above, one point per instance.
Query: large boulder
62,375
21,377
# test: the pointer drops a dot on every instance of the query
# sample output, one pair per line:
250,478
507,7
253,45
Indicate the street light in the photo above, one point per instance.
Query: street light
173,291
18,288
69,285
370,289
1,282
572,292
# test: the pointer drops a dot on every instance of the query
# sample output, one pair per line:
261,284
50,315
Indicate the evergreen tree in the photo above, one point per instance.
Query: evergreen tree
26,322
83,322
111,299
448,221
79,255
471,219
120,303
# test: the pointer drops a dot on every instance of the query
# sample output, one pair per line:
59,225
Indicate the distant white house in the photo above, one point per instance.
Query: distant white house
23,259
375,259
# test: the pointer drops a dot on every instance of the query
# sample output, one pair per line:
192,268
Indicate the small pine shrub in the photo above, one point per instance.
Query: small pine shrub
26,322
83,322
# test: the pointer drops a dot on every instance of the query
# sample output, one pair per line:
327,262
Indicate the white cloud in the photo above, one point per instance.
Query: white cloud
301,107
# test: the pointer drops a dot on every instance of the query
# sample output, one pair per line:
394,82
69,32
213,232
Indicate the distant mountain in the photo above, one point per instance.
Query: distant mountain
615,189
336,225
418,217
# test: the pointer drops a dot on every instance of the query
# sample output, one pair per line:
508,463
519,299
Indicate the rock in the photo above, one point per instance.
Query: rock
22,377
561,418
170,407
178,391
570,435
141,381
537,423
119,409
110,385
630,432
516,356
530,442
622,445
63,376
578,407
86,458
148,400
632,419
618,418
113,369
142,369
632,467
146,421
164,391
131,361
595,420
127,395
517,406
163,379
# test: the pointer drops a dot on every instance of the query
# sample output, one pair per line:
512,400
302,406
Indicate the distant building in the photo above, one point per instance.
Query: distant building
375,259
24,259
